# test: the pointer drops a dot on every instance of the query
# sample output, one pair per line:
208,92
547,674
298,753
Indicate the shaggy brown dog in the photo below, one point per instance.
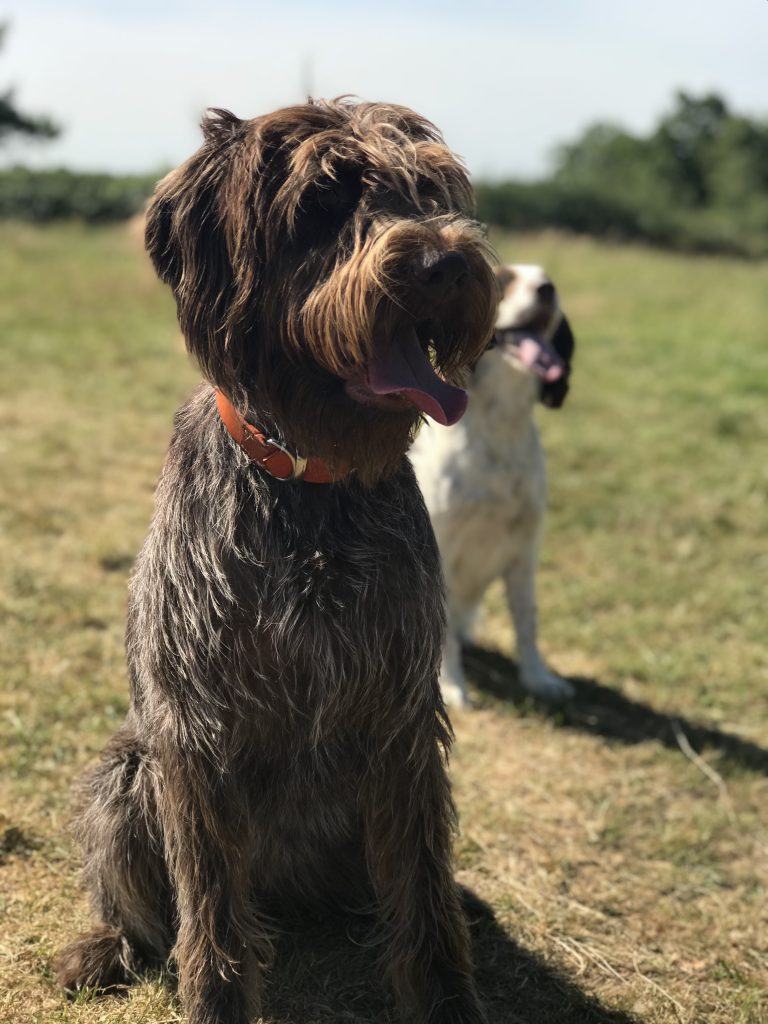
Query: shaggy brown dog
286,737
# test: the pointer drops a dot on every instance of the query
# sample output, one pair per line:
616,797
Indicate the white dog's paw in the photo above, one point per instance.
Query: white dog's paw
454,694
545,684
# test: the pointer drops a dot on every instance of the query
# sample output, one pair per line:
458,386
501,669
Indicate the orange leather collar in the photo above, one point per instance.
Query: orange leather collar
272,456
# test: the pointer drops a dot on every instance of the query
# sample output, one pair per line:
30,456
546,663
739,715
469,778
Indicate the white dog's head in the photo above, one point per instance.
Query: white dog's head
531,331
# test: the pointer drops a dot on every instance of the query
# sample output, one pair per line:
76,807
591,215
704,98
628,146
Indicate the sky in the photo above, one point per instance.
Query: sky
506,82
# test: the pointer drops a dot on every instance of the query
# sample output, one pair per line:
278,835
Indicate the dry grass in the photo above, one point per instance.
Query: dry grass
620,841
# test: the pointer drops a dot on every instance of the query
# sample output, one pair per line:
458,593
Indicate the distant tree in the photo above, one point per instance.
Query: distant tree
701,156
14,122
738,169
685,145
603,150
698,180
608,159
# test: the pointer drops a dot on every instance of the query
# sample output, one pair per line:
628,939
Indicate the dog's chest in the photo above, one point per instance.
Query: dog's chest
349,600
484,484
470,467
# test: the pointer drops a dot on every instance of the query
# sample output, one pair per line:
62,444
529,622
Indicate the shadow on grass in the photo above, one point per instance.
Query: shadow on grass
323,975
328,973
602,711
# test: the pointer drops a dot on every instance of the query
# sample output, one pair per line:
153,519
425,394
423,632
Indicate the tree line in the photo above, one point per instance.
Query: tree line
697,182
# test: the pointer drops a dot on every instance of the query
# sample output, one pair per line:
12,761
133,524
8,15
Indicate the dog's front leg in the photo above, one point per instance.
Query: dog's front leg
453,683
409,815
219,943
520,583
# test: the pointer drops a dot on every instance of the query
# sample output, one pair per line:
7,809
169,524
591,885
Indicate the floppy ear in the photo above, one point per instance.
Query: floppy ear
564,342
553,395
186,238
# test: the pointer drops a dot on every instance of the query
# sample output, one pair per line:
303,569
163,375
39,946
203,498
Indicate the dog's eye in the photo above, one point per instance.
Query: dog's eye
337,196
429,192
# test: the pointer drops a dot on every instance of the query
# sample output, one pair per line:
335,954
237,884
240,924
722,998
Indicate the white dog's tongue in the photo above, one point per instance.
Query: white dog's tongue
538,356
402,367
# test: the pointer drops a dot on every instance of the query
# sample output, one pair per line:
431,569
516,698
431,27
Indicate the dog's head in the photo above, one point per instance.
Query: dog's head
328,275
531,330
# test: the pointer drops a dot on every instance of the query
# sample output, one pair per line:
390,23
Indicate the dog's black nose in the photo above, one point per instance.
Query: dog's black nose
546,292
442,272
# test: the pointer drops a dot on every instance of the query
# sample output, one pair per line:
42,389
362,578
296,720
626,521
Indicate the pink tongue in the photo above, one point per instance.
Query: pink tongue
402,367
538,356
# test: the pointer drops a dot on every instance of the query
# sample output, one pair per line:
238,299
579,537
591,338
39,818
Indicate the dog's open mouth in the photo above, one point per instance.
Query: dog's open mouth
401,374
531,351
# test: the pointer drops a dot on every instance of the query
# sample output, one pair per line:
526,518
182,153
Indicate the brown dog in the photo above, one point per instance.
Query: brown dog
286,736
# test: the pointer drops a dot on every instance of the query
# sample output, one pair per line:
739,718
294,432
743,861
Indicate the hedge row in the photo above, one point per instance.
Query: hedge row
59,194
521,206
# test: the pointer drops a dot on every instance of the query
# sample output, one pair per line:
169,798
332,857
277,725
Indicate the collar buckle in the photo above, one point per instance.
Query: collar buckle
298,463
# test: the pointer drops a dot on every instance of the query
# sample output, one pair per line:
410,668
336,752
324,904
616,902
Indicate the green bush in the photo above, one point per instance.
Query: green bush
60,194
521,206
697,182
526,206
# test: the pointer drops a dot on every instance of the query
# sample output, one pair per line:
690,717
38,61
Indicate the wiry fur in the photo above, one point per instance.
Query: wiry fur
286,737
349,197
484,483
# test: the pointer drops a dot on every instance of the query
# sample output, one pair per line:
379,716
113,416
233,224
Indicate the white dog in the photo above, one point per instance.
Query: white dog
484,479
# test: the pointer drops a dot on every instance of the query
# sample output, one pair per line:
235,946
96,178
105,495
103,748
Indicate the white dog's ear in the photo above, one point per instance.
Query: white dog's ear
553,395
504,275
564,342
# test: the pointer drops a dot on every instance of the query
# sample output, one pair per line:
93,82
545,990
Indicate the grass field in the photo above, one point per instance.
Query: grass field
621,841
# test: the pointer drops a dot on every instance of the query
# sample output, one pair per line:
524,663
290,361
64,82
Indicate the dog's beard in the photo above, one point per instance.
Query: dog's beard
313,414
352,364
318,413
372,294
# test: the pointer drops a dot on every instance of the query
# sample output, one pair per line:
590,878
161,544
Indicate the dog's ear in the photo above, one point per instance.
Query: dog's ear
504,275
564,342
221,126
187,240
554,394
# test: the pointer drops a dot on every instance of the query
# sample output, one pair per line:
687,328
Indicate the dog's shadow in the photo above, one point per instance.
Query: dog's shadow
603,711
329,973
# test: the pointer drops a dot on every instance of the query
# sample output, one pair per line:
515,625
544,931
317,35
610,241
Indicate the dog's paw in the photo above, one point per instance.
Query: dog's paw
546,685
101,960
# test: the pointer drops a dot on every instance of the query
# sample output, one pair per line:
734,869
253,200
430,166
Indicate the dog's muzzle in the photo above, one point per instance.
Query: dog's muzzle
532,351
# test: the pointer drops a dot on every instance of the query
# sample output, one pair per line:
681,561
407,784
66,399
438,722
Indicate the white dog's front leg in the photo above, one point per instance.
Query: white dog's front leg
521,598
453,682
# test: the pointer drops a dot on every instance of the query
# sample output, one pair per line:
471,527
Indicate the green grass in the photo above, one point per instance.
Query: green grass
627,878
